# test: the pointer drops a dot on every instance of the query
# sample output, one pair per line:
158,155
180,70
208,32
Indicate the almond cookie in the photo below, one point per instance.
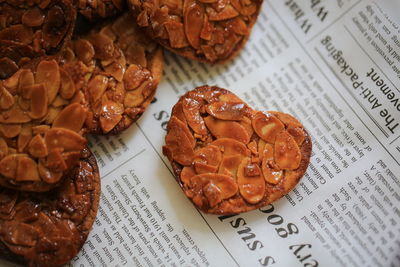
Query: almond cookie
229,158
95,9
123,68
42,118
49,229
42,26
205,30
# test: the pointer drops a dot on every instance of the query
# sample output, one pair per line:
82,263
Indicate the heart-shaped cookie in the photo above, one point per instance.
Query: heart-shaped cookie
205,30
229,158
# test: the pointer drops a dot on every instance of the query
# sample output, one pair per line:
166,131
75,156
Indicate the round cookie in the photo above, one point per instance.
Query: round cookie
49,229
205,30
121,70
229,158
41,26
42,117
95,9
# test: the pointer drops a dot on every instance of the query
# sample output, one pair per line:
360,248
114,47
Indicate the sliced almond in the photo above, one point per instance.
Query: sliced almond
231,147
96,87
6,99
239,26
250,181
67,89
226,110
55,161
39,101
287,152
37,147
10,130
14,115
72,117
180,142
110,115
60,138
227,129
24,137
26,80
193,22
48,73
267,126
191,109
8,166
271,174
11,83
136,54
103,46
134,76
210,154
84,50
26,170
47,175
206,31
133,98
229,164
176,34
116,70
298,134
228,12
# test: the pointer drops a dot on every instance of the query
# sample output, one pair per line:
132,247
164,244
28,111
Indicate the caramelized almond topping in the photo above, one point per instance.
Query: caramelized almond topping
244,160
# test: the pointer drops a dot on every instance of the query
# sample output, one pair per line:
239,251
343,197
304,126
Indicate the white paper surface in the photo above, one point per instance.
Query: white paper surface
335,65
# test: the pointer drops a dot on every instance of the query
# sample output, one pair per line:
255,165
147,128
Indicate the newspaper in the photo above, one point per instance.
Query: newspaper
335,65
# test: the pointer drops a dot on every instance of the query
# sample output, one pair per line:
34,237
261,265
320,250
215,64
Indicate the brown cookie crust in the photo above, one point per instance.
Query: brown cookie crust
43,27
122,69
229,158
212,31
49,229
42,117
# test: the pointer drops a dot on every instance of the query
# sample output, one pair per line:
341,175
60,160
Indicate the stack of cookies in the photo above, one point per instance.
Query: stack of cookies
56,88
69,68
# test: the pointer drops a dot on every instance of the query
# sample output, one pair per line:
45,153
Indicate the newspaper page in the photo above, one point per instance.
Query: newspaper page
335,65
